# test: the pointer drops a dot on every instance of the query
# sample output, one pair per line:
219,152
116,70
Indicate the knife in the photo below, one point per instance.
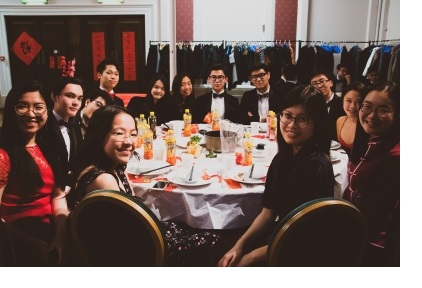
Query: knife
155,169
250,175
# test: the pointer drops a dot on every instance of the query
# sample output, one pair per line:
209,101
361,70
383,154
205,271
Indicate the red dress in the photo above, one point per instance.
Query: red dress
16,204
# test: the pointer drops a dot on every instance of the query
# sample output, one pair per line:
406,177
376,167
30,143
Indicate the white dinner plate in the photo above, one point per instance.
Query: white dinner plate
137,167
179,177
241,174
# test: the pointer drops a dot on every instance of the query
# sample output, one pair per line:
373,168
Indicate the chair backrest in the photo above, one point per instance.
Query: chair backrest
323,232
7,250
111,228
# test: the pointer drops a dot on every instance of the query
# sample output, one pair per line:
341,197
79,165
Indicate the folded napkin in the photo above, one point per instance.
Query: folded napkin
170,187
208,118
260,136
233,184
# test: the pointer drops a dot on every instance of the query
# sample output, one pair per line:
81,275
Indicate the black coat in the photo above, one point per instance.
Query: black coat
165,109
336,110
249,103
67,163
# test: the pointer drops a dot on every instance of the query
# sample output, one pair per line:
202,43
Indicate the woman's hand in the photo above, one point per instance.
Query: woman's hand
231,258
57,249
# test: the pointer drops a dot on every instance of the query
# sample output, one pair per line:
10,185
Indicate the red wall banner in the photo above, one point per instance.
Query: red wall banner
129,57
98,50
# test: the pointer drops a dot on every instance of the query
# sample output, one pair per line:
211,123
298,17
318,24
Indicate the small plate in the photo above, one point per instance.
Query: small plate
241,174
136,167
178,177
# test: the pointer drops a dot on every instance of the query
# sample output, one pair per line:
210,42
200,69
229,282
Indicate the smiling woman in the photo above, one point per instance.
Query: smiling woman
32,202
109,143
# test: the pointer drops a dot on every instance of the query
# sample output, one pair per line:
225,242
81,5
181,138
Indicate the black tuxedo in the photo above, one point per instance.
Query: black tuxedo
336,110
77,121
203,107
249,103
67,164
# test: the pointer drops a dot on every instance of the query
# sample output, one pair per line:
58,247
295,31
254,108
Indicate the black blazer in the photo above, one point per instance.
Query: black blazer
203,107
336,110
249,103
68,166
165,109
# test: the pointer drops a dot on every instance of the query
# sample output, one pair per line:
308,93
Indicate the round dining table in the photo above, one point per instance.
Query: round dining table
222,195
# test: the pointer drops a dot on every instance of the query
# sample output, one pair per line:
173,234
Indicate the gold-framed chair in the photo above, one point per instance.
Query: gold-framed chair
325,232
111,228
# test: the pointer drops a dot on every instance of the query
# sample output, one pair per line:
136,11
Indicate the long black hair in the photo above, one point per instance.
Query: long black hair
182,103
23,167
393,136
313,102
92,151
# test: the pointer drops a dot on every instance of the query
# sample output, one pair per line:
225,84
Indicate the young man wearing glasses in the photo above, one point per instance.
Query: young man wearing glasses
67,94
96,98
323,81
256,103
228,105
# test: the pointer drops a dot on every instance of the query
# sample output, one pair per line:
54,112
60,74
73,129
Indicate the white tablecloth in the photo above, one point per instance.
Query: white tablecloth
217,206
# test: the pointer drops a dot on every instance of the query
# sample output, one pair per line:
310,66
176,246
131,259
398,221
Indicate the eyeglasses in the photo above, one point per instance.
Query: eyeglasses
38,109
300,121
260,76
219,77
381,112
120,137
319,83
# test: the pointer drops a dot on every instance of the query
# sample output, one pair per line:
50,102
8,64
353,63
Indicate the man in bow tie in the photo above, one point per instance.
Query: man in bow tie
108,73
256,103
323,81
67,95
227,105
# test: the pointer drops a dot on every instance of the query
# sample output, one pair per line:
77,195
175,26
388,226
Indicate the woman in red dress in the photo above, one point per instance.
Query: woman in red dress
32,204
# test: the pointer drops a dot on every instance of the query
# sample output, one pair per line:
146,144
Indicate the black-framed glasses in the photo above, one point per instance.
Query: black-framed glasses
381,112
301,121
219,77
319,83
260,76
120,137
37,109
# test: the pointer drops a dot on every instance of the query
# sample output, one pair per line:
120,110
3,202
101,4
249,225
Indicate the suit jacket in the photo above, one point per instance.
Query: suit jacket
77,121
249,103
68,166
282,89
336,110
203,107
165,109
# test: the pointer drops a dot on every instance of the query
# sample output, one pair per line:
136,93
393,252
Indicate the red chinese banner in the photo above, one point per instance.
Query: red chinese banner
98,50
52,62
129,57
26,48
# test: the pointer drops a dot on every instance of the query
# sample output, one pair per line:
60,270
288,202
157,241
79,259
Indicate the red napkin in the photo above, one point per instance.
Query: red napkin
233,184
259,136
170,187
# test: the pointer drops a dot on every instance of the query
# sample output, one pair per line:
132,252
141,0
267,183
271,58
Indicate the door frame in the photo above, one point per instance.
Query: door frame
150,11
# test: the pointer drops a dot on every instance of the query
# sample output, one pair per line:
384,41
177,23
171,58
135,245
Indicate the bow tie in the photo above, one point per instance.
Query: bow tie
265,95
64,123
112,94
328,104
215,95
